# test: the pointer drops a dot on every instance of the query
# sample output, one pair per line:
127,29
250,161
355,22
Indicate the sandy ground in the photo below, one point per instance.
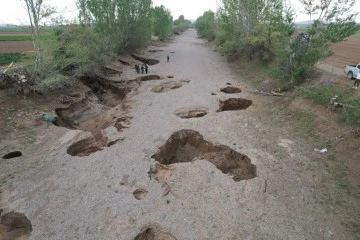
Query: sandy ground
92,197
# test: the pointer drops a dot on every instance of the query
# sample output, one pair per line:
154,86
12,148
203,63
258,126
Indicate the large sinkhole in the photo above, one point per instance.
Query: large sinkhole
154,233
100,108
15,226
189,145
234,104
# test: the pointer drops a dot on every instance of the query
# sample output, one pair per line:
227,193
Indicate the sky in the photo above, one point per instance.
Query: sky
14,12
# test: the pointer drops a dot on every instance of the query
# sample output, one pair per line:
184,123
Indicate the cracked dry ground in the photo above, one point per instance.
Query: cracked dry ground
191,159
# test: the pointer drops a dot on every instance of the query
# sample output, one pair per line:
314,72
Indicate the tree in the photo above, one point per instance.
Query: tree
123,24
247,25
206,25
37,11
181,24
334,21
162,22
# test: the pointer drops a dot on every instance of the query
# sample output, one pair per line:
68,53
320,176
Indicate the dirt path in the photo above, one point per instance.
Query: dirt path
251,179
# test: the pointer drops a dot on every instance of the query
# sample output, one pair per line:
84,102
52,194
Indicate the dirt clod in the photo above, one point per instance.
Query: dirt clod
14,154
140,194
191,112
231,90
189,145
161,172
154,233
15,226
234,104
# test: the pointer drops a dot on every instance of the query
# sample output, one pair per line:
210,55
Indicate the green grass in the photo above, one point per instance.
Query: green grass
352,115
15,38
356,35
322,94
7,58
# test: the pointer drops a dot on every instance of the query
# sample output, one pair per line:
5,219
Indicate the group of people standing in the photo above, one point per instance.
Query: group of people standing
144,68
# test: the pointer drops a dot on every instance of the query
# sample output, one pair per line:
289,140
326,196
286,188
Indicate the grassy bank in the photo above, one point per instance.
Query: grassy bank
7,58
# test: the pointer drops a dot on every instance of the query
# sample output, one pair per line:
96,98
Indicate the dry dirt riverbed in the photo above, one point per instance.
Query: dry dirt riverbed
177,160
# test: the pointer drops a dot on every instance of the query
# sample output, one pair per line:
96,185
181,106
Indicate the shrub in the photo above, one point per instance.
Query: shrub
351,115
321,94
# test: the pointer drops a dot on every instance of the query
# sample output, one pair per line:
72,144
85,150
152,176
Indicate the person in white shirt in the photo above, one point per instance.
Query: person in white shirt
357,81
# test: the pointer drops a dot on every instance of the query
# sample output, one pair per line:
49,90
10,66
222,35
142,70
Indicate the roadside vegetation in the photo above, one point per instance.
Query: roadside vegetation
68,50
265,32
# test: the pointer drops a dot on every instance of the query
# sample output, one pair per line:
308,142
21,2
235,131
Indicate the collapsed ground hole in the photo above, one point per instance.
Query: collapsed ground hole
196,112
149,78
234,104
108,70
231,90
123,62
94,143
14,154
14,226
147,61
169,85
140,194
85,147
189,145
155,50
154,233
101,107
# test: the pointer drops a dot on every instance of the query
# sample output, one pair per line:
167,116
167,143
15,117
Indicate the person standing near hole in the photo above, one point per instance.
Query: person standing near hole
168,58
357,80
142,69
146,68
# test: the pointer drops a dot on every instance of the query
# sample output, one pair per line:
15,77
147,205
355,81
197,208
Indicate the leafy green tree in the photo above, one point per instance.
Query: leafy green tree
248,25
206,26
181,24
162,22
334,21
37,11
123,24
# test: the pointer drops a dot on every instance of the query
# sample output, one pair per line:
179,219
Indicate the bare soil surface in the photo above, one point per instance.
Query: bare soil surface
16,46
165,177
345,53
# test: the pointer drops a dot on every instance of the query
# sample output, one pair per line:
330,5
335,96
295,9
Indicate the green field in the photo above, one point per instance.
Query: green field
7,58
15,38
14,29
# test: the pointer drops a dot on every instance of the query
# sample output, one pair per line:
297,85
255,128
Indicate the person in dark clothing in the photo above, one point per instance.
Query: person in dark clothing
168,58
137,68
142,69
146,68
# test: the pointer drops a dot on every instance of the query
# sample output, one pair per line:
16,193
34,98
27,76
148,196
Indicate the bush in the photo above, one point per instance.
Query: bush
321,94
352,115
54,82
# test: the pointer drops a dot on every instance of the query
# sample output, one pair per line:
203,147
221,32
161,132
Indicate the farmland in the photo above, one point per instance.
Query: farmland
15,45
